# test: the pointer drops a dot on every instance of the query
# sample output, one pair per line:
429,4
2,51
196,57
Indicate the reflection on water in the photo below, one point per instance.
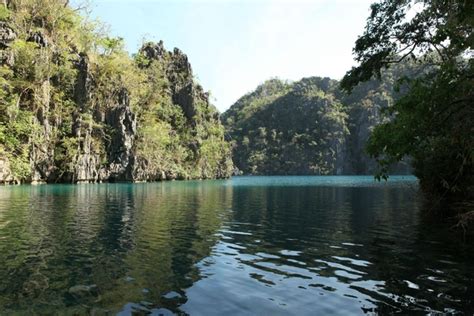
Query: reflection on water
250,245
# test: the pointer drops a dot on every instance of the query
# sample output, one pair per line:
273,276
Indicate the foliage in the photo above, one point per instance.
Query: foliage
432,122
284,128
4,13
62,75
312,126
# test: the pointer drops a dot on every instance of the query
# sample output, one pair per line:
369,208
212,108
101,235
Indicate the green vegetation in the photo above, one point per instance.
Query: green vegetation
74,106
433,121
309,127
410,100
284,128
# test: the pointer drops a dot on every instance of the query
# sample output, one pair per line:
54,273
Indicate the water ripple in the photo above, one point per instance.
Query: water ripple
269,246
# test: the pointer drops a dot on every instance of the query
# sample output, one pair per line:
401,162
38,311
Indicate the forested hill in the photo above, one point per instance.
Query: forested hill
75,107
310,126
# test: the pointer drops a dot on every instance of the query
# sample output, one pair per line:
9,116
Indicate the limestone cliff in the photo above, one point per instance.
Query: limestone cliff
75,107
308,127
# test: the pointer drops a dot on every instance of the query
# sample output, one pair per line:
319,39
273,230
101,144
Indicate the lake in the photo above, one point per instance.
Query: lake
248,245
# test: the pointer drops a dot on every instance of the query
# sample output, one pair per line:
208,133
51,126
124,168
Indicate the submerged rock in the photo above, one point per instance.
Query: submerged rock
134,309
161,312
81,291
172,295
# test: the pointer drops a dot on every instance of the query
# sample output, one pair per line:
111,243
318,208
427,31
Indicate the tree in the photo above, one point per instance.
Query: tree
433,121
71,97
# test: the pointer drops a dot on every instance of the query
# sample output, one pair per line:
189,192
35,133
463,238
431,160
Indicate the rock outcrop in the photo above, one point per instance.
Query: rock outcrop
42,153
120,156
308,127
6,175
87,160
79,112
289,129
7,36
184,91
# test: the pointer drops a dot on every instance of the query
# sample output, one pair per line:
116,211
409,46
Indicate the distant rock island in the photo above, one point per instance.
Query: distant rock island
309,127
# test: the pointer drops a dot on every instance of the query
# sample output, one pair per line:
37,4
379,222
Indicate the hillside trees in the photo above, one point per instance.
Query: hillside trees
75,107
284,128
432,122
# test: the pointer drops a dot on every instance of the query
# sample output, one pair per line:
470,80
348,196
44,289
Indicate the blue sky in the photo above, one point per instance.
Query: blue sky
234,45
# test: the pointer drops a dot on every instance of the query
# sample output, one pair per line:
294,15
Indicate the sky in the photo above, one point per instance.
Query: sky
235,45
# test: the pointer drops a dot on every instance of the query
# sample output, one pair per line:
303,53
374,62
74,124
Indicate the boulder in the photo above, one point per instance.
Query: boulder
83,291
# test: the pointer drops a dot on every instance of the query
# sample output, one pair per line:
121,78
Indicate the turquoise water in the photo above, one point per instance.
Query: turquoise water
249,245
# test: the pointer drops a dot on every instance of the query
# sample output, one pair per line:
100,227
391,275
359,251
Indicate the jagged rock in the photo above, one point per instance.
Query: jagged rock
38,38
191,98
180,75
185,98
181,64
7,35
42,153
67,114
87,163
82,89
120,154
86,170
185,91
121,121
100,144
154,51
6,175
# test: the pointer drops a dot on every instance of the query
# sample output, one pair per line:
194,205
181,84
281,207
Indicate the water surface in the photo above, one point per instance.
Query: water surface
249,245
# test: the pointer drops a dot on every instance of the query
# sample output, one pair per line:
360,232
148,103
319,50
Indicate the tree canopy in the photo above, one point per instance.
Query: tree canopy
433,121
75,106
310,126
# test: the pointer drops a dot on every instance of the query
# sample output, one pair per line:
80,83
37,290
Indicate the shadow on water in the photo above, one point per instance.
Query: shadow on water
259,245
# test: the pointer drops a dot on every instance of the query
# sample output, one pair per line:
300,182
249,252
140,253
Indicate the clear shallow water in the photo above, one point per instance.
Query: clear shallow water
250,245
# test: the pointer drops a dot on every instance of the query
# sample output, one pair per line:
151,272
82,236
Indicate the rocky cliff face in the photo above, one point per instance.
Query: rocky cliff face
289,129
307,127
90,113
184,91
120,155
194,117
42,153
7,36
